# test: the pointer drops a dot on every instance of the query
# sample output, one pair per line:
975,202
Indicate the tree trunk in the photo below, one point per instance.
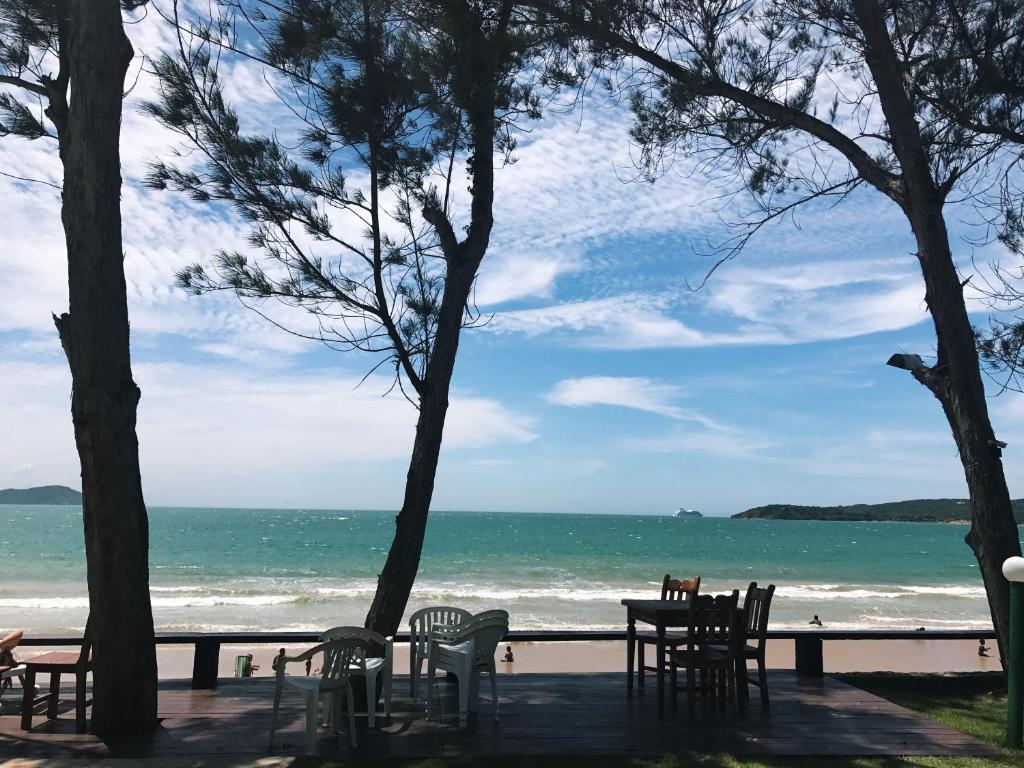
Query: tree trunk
95,337
394,584
956,377
957,384
475,91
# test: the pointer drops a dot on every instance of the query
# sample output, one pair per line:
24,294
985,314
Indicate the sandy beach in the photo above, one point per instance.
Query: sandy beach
933,656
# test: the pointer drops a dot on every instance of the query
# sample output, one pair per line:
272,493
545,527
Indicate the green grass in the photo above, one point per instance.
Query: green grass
971,704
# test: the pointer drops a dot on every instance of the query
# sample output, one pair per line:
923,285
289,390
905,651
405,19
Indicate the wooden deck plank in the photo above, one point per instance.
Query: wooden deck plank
585,714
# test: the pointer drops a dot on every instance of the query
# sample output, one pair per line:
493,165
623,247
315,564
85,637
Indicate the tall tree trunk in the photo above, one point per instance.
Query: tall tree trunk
957,384
95,337
475,84
955,379
394,584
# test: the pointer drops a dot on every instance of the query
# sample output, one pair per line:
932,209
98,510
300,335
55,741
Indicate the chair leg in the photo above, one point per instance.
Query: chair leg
312,705
273,716
762,677
80,702
351,715
334,711
430,684
387,693
51,705
730,676
640,663
465,678
371,697
414,669
474,689
674,671
494,690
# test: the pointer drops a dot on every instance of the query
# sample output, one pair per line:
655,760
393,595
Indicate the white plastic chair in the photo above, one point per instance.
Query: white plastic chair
6,673
9,666
374,665
466,650
342,659
419,633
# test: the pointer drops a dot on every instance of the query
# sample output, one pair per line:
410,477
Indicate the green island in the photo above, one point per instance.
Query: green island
911,511
42,494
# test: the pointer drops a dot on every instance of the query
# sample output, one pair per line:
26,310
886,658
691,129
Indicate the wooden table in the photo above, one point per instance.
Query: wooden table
661,614
54,664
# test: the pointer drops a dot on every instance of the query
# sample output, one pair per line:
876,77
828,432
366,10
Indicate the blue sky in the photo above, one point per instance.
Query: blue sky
602,383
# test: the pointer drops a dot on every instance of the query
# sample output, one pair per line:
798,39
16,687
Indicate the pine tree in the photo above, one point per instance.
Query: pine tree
357,222
85,42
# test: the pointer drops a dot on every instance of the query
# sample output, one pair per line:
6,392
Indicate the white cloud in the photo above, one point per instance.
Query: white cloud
638,393
628,321
230,433
792,304
702,435
822,300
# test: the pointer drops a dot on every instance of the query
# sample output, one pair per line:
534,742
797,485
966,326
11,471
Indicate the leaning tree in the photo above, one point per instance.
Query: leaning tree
62,67
805,100
357,219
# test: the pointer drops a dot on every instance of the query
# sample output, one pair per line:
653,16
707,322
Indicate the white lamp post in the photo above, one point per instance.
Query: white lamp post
1013,570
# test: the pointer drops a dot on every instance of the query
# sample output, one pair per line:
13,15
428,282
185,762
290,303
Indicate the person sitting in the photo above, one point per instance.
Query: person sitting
509,658
815,621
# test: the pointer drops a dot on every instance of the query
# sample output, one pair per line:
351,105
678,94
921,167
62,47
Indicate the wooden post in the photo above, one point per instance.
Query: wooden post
809,660
205,663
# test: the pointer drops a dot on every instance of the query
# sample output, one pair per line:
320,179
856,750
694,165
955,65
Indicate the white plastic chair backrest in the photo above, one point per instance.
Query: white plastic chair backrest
422,620
370,638
486,629
342,657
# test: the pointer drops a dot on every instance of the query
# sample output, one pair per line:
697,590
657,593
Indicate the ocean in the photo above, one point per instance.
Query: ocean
276,569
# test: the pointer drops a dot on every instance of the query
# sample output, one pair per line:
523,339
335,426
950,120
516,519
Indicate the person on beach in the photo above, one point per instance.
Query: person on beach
509,658
815,621
982,648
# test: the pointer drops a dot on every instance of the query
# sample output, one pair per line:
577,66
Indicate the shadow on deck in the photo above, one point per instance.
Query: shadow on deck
564,714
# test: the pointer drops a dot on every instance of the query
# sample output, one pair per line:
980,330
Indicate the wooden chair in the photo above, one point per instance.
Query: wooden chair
714,625
756,605
420,624
55,664
671,589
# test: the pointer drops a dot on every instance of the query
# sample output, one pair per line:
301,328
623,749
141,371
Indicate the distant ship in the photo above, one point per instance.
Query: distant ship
687,514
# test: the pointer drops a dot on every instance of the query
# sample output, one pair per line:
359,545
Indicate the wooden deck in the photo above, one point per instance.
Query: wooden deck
540,714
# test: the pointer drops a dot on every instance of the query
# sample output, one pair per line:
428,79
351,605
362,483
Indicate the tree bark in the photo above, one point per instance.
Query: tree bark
95,337
475,91
955,380
395,582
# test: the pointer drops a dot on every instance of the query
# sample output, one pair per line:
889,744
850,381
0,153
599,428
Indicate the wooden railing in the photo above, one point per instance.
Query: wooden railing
809,643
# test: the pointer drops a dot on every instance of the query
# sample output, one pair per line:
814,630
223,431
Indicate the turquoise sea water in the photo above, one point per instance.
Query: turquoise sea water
237,569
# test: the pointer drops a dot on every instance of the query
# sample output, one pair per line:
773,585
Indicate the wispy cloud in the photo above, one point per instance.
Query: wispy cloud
631,321
768,306
637,393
